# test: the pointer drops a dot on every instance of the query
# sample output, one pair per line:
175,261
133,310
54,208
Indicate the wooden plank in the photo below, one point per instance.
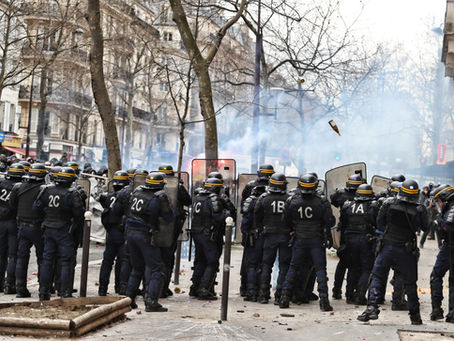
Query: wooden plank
44,323
98,312
34,332
100,321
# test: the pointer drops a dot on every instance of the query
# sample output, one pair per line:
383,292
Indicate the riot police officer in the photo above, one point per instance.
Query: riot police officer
168,253
268,216
357,222
309,218
26,165
64,210
30,233
115,240
252,241
263,176
8,229
443,196
337,200
148,204
207,229
399,219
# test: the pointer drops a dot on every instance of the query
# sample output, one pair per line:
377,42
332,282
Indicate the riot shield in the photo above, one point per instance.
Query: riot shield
86,185
139,180
292,182
47,179
321,187
243,180
184,235
379,183
110,187
164,237
336,178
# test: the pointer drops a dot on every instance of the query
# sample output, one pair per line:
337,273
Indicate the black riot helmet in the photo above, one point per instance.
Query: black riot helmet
16,170
354,181
216,175
278,183
265,171
66,175
73,165
120,179
37,171
444,193
131,172
213,185
394,188
364,192
398,177
307,183
155,180
140,173
166,169
314,174
409,191
26,165
54,172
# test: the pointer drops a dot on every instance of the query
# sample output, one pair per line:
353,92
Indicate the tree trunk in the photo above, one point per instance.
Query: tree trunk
129,125
181,147
99,88
41,113
207,111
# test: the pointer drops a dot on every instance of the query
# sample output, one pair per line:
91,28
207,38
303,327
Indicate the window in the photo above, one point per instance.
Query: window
167,36
161,114
164,87
54,123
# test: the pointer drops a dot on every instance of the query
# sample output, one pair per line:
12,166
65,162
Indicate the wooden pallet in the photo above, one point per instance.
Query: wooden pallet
106,310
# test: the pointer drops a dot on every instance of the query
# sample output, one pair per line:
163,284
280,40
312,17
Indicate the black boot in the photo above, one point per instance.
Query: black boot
22,292
193,291
152,305
399,305
122,288
350,299
243,290
277,296
337,294
251,296
313,297
2,285
371,313
44,294
360,300
264,294
10,289
415,317
284,301
450,316
437,311
102,290
324,303
205,295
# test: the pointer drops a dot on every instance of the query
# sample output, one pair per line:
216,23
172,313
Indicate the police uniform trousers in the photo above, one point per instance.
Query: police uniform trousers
436,277
58,242
8,250
271,244
28,235
206,260
145,258
361,255
114,252
254,255
405,263
305,253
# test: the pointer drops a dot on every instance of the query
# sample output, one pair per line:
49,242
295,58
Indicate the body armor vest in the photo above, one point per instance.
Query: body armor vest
58,214
273,212
399,226
140,199
358,218
27,193
6,186
109,217
306,216
199,220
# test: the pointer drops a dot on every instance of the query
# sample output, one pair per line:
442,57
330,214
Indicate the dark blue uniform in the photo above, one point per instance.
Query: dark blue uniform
30,233
399,221
8,237
207,229
357,223
146,206
63,212
269,218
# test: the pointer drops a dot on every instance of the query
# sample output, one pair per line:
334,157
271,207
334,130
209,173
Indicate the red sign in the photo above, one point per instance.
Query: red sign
441,153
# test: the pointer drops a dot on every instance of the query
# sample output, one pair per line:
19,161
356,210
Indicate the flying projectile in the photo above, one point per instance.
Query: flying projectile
334,127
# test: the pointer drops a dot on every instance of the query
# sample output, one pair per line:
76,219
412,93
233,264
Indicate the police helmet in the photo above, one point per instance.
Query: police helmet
216,175
394,188
37,171
66,175
265,171
278,183
16,170
307,183
443,192
398,177
354,181
213,185
155,180
25,164
409,191
314,174
120,178
166,169
364,192
131,172
54,172
141,172
73,165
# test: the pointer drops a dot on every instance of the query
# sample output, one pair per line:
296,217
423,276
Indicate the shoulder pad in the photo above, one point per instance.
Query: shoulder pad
389,201
374,203
160,193
247,205
215,202
251,183
449,215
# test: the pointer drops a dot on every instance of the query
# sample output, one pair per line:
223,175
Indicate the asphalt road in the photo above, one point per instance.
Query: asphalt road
190,319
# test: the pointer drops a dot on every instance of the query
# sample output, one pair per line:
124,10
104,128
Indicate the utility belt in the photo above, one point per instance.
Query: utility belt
410,246
275,230
36,224
252,236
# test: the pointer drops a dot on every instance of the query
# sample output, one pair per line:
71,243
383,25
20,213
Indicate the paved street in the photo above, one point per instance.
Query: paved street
198,320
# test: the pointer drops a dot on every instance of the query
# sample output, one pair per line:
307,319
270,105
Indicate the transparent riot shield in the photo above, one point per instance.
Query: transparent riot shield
86,185
164,237
47,179
139,180
321,187
243,180
379,183
184,235
335,179
110,187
